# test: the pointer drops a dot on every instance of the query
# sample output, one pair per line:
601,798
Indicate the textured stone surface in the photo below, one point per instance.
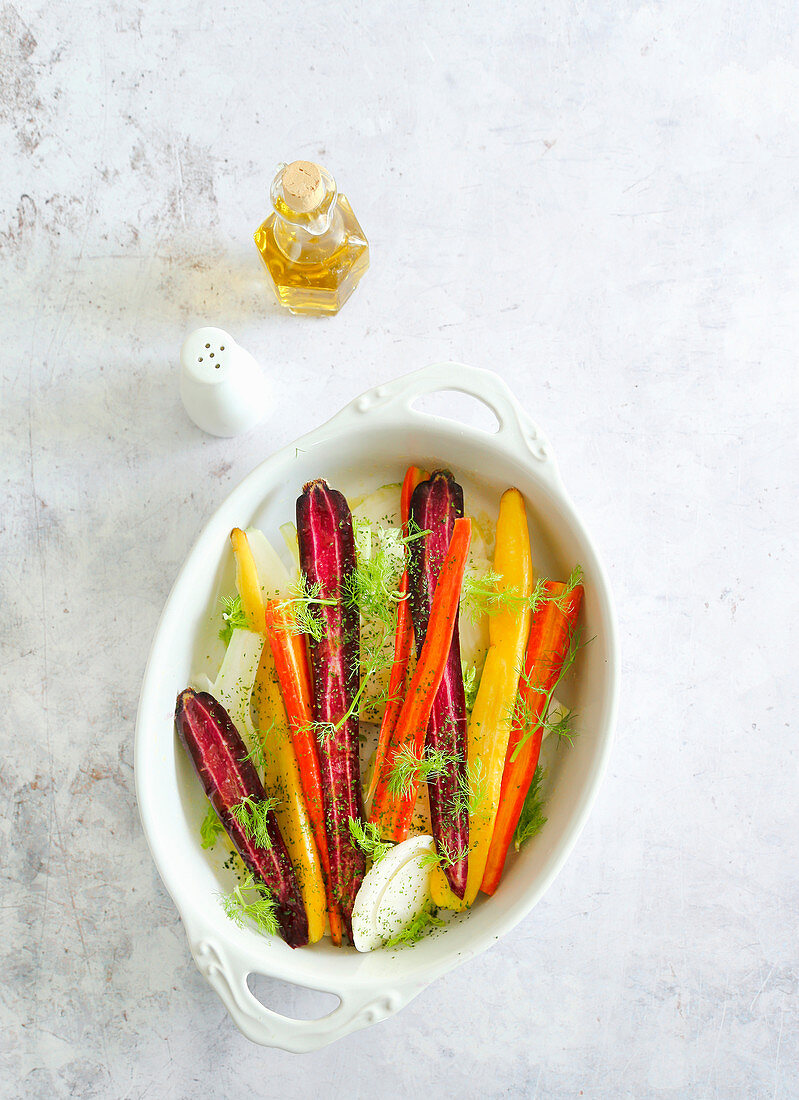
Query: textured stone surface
621,245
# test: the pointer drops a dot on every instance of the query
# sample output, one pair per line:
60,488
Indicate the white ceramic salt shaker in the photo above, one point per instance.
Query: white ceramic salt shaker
222,387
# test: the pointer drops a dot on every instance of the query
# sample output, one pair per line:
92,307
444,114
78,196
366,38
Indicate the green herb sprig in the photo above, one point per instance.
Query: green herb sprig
526,713
444,856
211,828
253,900
471,682
481,596
421,926
409,769
373,586
531,819
302,608
257,754
373,589
233,617
366,837
484,595
252,816
563,726
472,785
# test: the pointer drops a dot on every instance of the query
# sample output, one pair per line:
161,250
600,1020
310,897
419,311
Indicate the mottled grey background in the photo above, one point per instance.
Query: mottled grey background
600,202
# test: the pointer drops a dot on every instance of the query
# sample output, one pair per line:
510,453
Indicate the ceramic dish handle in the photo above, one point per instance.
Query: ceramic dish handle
515,428
227,967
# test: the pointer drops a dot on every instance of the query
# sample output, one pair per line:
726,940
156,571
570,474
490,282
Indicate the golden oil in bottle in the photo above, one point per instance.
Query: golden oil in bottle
312,245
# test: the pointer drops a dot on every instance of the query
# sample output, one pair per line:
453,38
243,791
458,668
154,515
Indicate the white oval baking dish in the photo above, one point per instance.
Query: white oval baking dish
368,443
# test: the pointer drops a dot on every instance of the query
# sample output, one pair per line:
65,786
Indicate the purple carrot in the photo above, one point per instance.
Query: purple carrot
435,505
219,757
327,560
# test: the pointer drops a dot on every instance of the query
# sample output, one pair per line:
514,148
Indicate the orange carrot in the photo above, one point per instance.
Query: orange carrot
547,648
392,812
403,643
414,475
291,662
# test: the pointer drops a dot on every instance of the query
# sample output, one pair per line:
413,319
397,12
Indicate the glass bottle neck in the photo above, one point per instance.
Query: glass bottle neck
300,246
312,236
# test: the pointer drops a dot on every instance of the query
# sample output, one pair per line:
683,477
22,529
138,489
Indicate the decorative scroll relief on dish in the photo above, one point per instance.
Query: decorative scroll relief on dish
538,448
380,395
209,961
212,967
380,1009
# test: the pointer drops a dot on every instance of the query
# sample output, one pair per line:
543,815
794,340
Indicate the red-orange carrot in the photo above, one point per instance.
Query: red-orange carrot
403,643
414,475
547,648
392,812
291,662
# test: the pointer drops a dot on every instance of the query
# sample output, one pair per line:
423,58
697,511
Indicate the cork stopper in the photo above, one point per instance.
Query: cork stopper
303,186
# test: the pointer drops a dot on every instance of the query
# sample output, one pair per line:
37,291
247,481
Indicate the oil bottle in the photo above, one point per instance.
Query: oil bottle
312,245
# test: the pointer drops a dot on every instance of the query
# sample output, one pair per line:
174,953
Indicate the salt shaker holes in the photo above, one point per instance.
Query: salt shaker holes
227,402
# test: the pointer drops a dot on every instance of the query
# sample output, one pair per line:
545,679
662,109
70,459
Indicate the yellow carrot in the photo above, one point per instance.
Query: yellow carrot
247,583
490,723
282,770
283,778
